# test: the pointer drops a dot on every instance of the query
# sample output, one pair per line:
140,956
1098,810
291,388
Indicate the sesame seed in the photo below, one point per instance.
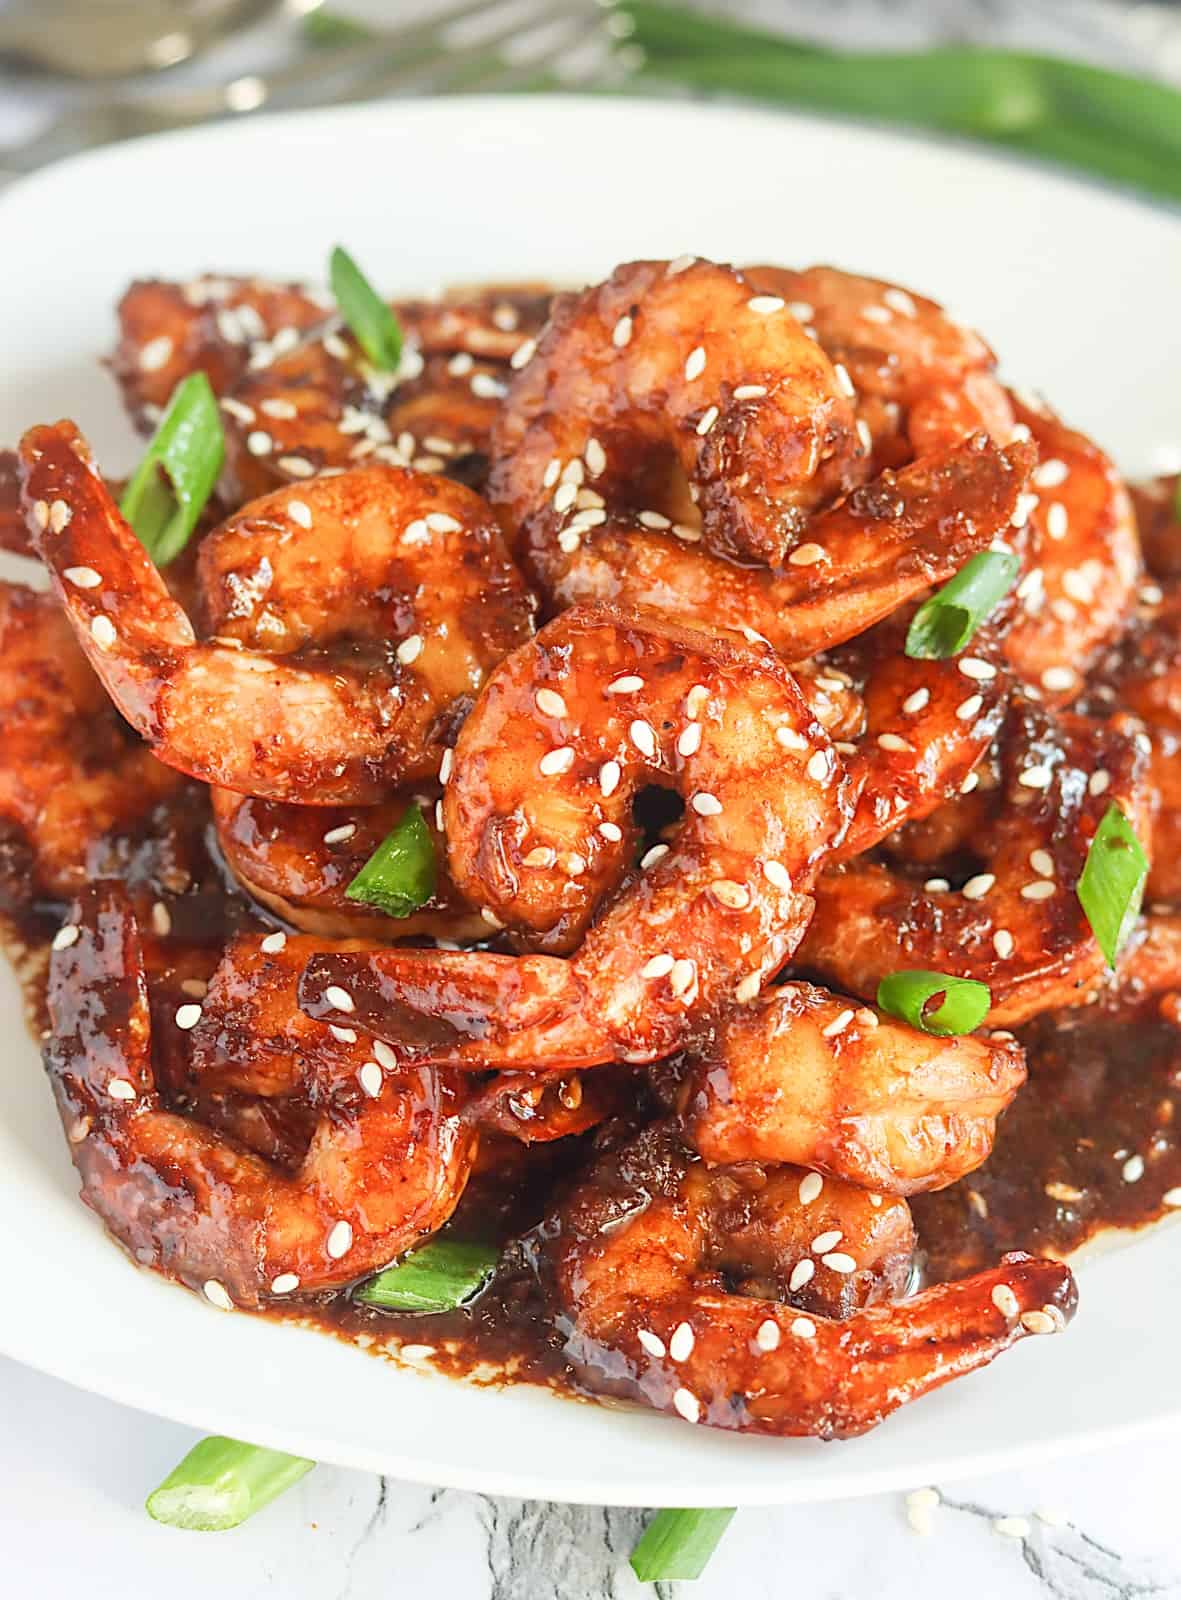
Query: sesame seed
1150,593
810,1186
651,1342
892,741
541,855
339,835
188,1017
976,888
550,703
259,443
446,765
1036,778
680,1345
523,355
844,381
748,989
1012,1527
1057,521
791,740
1005,1301
440,522
410,649
1002,943
339,999
838,1261
285,1283
1042,863
688,1405
750,391
801,1273
734,895
1026,504
817,768
938,886
918,701
1038,1322
767,1335
1038,891
611,832
609,776
342,1035
643,736
569,541
216,1294
120,1089
838,1024
340,1240
1133,1169
102,631
59,516
687,533
807,555
802,310
706,804
969,783
273,943
804,1328
1058,678
573,865
596,457
658,967
629,684
777,874
695,363
69,933
899,300
82,577
588,499
765,305
552,473
679,264
683,977
826,1241
564,496
1050,474
161,919
485,387
973,667
651,857
969,708
621,334
155,354
708,418
440,818
237,410
369,1077
573,472
556,761
1171,1197
654,520
689,740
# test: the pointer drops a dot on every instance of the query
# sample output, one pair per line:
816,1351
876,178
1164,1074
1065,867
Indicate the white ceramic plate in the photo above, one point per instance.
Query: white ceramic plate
1076,287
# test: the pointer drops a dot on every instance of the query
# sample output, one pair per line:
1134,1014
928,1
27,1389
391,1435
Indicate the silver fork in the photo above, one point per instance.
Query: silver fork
475,45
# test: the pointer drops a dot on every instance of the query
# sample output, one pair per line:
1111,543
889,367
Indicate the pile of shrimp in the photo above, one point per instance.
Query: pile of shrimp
614,585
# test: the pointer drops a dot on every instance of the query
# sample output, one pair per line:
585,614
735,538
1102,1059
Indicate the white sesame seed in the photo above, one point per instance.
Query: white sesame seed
817,768
1038,1322
102,631
918,701
688,1405
339,835
807,555
838,1024
237,409
1002,943
810,1186
552,473
844,381
1050,474
708,418
658,967
706,804
342,1035
161,919
1171,1197
440,817
574,472
969,708
973,667
216,1294
750,391
1005,1301
542,855
339,999
695,363
82,577
188,1017
595,457
1036,778
643,736
59,516
1038,891
683,977
440,522
892,741
1055,678
285,1283
802,310
765,305
689,740
556,761
938,886
621,333
628,684
550,703
767,1335
801,1274
273,943
410,649
369,1077
680,1345
340,1240
748,989
569,541
804,1328
826,1241
651,857
651,1342
120,1089
1057,521
687,533
730,893
609,775
899,300
791,740
653,519
485,387
259,443
611,832
838,1261
1026,505
1133,1169
976,888
1042,863
69,933
155,354
523,355
1012,1527
776,873
564,496
679,264
969,783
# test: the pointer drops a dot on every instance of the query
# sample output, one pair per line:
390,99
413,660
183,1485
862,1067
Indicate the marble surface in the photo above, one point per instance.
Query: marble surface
74,1471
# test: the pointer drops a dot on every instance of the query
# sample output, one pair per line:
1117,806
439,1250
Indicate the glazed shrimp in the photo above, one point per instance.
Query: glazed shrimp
678,382
640,1257
540,835
69,771
386,1163
1014,921
1081,586
882,546
921,380
297,861
809,1077
348,623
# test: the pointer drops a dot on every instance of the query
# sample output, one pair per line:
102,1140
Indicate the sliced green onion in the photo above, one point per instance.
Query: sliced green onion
908,995
945,622
438,1276
400,874
375,325
221,1482
164,500
1112,883
678,1544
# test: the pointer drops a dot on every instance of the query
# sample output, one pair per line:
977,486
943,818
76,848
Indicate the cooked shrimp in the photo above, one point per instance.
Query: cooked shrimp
349,623
921,381
69,770
806,1076
538,1110
679,383
1082,585
299,860
385,1166
1014,921
641,1254
541,836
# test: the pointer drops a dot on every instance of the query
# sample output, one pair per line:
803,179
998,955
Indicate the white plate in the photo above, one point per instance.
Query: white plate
1077,288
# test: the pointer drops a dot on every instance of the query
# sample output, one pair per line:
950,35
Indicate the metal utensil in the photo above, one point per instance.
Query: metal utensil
117,38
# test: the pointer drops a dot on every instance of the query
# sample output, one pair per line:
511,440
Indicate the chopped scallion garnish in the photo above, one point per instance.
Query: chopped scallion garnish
678,1544
376,327
221,1482
438,1276
400,874
944,623
166,495
908,995
1112,883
